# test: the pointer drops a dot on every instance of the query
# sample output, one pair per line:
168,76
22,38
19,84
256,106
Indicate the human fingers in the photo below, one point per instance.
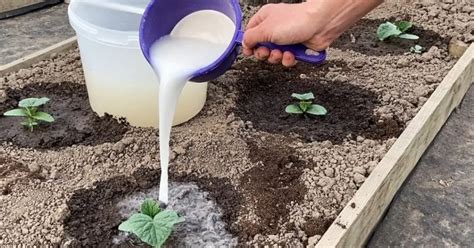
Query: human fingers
288,59
262,53
275,57
256,35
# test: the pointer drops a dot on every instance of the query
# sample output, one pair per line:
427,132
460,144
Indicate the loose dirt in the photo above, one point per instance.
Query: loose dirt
276,178
75,122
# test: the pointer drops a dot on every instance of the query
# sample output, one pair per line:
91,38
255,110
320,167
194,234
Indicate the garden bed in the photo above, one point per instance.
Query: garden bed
267,177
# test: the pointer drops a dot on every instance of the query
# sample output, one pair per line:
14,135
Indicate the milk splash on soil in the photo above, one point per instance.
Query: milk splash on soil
203,226
197,41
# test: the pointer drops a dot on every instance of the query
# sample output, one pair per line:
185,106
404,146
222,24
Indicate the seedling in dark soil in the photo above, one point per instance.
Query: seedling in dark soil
29,109
152,225
417,49
388,30
305,106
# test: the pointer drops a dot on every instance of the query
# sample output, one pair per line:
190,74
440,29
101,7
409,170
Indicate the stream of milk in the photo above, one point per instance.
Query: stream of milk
196,42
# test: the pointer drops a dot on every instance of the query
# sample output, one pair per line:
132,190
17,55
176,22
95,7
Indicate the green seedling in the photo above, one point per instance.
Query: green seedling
152,225
305,106
28,108
417,49
389,30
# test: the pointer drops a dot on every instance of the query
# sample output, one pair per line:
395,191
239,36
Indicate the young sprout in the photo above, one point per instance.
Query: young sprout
305,106
417,49
388,30
152,225
29,110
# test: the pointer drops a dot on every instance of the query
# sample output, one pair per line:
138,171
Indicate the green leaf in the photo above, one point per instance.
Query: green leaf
404,26
143,227
317,110
304,105
150,208
303,97
153,231
42,116
293,109
16,112
386,30
168,218
33,102
408,36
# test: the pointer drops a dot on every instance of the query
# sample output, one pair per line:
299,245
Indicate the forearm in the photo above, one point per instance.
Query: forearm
339,14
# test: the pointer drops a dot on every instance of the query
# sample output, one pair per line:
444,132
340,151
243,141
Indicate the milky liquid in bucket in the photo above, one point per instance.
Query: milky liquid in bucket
196,42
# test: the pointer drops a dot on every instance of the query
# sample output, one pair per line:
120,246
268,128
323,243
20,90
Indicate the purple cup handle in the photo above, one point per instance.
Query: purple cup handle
301,52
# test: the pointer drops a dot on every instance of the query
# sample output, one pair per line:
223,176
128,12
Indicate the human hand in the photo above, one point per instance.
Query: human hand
315,24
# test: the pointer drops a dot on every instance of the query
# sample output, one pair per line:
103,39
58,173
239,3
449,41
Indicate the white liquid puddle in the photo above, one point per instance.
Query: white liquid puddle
196,42
203,227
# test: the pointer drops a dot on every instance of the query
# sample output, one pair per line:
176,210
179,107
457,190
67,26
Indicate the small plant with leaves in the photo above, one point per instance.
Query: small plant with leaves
28,108
152,225
417,49
305,105
398,30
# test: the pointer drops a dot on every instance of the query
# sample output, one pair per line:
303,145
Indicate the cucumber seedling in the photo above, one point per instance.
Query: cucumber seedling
152,225
28,108
305,105
398,30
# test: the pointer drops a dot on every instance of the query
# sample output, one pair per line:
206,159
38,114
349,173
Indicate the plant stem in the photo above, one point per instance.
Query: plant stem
30,123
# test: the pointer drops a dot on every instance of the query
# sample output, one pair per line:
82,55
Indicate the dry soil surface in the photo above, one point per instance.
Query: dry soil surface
277,179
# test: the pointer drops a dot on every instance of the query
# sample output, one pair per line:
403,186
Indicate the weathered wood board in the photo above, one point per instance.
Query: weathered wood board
10,8
7,5
38,56
355,224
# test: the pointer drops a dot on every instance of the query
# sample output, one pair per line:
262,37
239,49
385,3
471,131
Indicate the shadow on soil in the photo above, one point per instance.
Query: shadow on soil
75,122
265,90
94,219
366,41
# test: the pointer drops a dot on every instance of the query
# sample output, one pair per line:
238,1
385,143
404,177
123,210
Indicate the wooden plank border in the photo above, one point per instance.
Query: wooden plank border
36,57
18,7
354,225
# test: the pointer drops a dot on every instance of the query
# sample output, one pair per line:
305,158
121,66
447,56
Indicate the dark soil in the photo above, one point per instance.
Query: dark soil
75,122
362,38
94,218
279,179
317,226
273,185
266,91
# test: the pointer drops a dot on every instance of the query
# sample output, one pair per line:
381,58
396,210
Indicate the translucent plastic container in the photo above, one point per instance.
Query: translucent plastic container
119,80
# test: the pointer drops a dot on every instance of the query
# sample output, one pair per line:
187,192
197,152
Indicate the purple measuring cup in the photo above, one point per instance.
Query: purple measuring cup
161,16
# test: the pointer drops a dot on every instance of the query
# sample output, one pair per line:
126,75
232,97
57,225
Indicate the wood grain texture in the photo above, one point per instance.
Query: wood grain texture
38,56
353,226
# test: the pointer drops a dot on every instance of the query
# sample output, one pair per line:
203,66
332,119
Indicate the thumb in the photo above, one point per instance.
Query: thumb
256,35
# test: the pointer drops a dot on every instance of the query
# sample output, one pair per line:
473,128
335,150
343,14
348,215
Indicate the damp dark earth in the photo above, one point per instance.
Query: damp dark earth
243,172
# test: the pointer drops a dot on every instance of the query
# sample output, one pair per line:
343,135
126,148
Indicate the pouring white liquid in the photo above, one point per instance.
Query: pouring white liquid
196,42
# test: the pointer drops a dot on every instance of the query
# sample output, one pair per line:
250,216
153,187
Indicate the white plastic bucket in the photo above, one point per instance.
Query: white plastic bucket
119,80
